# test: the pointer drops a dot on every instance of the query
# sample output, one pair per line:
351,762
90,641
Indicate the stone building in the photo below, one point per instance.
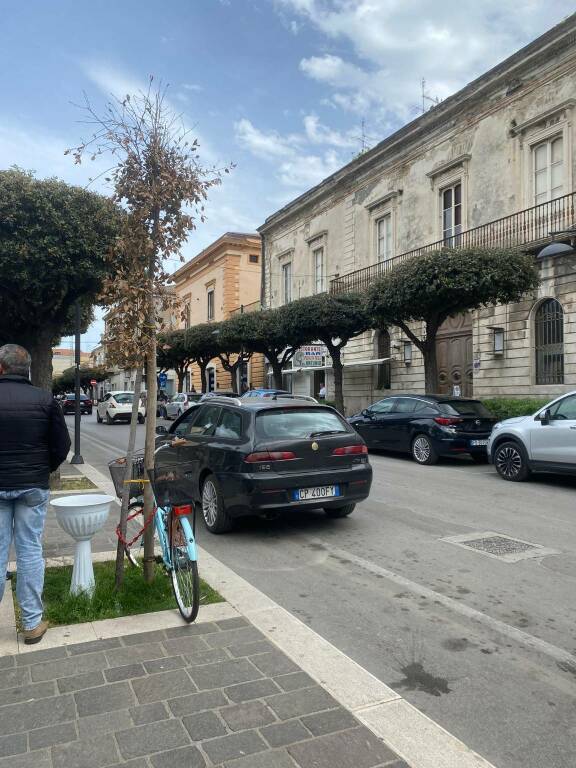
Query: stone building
492,165
222,279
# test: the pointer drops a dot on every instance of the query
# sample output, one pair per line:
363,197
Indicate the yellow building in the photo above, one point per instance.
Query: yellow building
214,285
63,358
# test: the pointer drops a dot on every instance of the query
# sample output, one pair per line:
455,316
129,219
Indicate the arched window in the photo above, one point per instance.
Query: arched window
383,350
549,342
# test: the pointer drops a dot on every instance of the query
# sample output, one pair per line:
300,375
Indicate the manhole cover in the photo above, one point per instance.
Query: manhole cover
500,546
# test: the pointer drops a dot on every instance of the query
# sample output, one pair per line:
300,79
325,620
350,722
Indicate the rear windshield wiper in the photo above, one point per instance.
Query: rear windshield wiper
327,432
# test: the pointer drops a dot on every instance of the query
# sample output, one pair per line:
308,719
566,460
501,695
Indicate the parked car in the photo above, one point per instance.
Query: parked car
179,403
543,442
68,403
258,457
264,393
117,406
427,426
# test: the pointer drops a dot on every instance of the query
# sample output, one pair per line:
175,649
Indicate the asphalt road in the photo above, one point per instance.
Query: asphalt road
482,646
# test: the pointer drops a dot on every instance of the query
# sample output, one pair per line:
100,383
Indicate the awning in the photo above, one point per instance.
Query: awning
355,364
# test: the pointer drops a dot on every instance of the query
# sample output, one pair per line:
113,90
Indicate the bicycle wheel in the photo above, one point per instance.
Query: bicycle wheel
134,526
184,571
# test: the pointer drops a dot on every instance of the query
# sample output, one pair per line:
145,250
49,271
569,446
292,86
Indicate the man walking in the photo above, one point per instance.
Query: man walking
34,441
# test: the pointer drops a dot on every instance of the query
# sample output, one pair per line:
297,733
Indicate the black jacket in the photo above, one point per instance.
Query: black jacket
34,438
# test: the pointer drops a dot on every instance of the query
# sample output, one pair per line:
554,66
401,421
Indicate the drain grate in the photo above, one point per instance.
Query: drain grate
500,546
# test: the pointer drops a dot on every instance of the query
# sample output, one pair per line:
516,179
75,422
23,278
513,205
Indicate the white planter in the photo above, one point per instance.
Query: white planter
81,517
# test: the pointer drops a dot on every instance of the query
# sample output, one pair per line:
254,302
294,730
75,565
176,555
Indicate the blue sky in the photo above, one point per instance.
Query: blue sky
278,87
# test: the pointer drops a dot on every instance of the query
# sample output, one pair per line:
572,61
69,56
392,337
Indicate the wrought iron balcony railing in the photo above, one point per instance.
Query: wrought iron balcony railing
525,228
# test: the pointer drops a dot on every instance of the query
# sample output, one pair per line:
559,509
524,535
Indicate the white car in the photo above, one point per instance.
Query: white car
179,403
543,442
117,406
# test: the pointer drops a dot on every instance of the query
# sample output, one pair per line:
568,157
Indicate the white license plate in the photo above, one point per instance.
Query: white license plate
478,442
321,492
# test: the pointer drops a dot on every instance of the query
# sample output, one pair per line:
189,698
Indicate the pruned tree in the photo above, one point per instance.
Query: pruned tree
65,382
234,350
203,346
54,243
418,295
333,320
159,181
174,354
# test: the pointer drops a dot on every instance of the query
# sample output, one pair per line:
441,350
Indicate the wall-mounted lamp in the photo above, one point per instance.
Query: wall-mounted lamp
407,353
498,341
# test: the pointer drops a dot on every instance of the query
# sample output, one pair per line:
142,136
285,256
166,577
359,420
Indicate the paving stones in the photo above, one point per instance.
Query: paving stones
216,694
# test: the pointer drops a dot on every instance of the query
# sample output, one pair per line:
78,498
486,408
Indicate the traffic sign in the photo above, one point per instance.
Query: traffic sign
93,382
162,379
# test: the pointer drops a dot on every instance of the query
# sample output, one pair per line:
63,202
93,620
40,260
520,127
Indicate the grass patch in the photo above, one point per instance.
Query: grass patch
72,484
60,607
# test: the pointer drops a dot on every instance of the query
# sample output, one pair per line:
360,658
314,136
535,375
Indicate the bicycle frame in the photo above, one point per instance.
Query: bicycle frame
161,518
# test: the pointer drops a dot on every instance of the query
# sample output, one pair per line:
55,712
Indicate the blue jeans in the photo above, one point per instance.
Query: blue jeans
22,516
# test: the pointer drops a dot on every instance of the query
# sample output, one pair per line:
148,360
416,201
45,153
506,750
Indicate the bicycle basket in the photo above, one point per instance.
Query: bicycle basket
118,471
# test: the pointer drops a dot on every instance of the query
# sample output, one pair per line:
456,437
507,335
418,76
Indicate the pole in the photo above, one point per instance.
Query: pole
77,458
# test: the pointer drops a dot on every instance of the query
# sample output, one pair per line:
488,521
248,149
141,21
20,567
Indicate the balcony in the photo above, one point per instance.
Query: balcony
528,229
255,306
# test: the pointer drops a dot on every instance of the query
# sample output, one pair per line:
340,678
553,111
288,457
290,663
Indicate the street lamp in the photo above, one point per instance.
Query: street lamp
556,248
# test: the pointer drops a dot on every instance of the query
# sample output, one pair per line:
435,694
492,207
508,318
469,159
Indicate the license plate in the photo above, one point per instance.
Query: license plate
478,442
321,492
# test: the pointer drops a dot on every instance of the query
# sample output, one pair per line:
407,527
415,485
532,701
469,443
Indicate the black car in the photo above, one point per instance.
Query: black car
261,457
427,426
69,404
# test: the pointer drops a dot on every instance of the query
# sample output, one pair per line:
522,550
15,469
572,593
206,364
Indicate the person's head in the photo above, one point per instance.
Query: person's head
14,360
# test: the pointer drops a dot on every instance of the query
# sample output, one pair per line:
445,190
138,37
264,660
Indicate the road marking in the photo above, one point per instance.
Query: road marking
524,638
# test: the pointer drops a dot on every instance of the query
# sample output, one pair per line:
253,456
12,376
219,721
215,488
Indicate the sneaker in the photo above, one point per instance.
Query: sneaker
32,636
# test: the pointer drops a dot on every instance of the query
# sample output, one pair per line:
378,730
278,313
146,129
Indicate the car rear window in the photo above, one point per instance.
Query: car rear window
465,408
298,423
123,398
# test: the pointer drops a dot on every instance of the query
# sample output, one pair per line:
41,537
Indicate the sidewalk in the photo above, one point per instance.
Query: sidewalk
247,686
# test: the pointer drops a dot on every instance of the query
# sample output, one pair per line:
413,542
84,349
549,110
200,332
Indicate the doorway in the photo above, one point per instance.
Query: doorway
454,355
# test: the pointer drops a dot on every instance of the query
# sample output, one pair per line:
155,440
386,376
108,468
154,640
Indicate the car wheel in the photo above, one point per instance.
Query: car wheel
109,419
140,419
89,412
215,516
511,462
479,458
423,451
98,418
335,512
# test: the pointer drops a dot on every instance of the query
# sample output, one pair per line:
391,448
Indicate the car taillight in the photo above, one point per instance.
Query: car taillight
182,511
255,458
447,421
346,450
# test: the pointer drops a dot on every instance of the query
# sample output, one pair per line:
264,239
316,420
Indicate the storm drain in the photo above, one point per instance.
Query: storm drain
500,546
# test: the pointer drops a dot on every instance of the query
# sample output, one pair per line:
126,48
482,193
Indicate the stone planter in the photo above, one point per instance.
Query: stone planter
81,517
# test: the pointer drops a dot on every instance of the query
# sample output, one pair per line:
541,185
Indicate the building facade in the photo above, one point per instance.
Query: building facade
492,165
63,358
222,279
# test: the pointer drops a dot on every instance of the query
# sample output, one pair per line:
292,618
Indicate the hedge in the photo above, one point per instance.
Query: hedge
507,407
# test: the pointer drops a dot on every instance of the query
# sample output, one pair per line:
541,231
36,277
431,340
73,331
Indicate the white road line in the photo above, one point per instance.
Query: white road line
524,638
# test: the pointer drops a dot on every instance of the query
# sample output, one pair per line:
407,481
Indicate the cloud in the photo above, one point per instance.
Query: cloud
317,133
192,87
112,81
260,144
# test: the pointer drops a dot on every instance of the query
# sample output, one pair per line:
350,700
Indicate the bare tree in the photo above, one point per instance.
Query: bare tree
159,181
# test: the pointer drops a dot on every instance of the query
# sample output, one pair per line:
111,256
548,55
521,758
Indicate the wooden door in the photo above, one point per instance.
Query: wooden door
454,353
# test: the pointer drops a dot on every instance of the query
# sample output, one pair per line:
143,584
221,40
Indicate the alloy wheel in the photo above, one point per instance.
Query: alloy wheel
209,503
421,449
508,461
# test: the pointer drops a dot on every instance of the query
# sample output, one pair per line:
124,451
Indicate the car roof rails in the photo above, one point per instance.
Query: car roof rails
225,400
294,397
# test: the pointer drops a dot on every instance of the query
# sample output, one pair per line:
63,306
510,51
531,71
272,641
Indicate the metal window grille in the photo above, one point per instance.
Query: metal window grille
549,343
383,350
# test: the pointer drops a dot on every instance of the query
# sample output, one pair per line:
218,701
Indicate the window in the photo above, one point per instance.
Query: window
383,406
549,342
230,426
452,214
318,265
565,409
384,237
548,170
383,380
210,301
287,282
205,421
298,423
253,258
405,405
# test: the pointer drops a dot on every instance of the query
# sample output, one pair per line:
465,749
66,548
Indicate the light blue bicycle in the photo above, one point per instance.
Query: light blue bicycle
174,525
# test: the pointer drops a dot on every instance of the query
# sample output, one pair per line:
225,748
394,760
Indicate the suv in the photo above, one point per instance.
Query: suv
261,457
543,442
117,406
179,403
68,404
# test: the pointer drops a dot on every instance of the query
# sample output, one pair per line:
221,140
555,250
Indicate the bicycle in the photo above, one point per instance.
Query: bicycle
175,533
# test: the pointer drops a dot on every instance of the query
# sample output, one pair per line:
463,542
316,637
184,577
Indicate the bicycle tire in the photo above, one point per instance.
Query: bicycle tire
134,523
184,571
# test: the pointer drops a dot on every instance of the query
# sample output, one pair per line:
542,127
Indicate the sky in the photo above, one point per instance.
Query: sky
286,90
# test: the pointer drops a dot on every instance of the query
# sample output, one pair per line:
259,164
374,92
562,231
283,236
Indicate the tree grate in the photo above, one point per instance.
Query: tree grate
499,545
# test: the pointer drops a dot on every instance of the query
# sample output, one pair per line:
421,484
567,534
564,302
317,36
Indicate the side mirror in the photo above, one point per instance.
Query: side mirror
546,417
161,430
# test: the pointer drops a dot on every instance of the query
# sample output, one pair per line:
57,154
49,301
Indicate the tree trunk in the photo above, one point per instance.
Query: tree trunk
430,366
119,577
337,370
276,371
40,348
203,367
181,376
